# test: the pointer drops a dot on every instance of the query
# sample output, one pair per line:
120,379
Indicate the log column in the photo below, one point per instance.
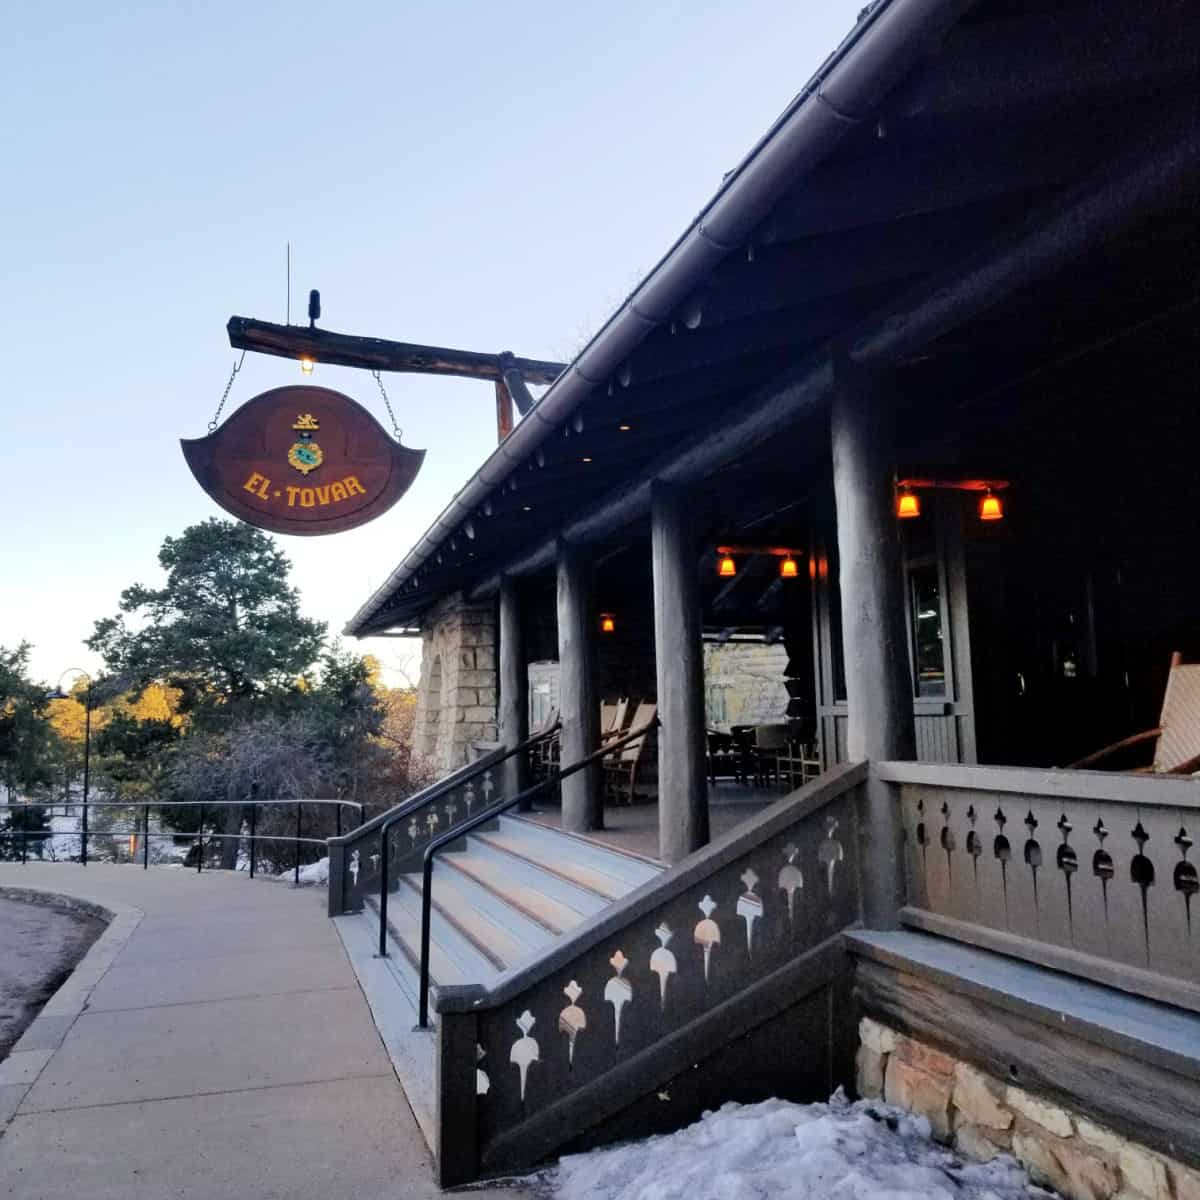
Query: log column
879,690
514,689
579,707
679,664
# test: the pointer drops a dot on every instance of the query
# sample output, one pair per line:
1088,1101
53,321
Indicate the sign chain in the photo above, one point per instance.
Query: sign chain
237,366
383,392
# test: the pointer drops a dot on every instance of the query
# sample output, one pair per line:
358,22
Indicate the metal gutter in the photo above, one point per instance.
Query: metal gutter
885,44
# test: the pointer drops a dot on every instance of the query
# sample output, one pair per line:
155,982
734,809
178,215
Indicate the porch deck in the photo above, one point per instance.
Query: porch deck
633,828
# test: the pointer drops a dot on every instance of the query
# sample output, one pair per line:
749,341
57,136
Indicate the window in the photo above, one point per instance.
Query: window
929,649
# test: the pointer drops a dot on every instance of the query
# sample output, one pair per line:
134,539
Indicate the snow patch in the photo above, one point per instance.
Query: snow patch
777,1150
317,872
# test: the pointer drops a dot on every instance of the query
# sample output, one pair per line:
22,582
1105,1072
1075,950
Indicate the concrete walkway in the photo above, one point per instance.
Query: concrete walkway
214,1042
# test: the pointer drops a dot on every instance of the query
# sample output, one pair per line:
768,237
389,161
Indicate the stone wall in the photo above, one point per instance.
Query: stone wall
982,1116
744,684
456,695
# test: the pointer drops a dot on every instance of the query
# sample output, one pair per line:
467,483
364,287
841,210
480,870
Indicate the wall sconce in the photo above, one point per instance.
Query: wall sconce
306,364
608,623
907,505
788,568
727,568
990,506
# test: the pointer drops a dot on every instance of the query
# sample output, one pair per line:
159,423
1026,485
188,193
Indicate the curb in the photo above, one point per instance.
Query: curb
42,1038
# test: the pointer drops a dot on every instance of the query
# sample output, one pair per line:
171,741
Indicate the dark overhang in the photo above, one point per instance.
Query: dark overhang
944,157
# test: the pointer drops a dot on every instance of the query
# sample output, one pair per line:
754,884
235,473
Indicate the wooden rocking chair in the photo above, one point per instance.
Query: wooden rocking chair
621,770
1177,736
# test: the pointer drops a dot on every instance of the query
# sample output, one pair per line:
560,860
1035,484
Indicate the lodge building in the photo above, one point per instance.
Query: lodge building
901,434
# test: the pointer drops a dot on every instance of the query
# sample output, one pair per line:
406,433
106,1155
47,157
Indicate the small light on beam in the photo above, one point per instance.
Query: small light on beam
306,364
788,569
624,427
608,623
585,458
727,568
907,505
990,508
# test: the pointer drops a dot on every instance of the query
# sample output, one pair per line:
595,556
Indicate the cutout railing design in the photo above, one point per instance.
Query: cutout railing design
371,859
483,818
739,932
1087,872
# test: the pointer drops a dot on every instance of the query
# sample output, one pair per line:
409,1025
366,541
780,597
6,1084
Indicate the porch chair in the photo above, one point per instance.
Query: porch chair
1177,736
621,770
612,718
544,755
799,762
770,743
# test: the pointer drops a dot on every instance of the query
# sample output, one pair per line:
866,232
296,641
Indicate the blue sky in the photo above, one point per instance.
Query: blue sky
484,176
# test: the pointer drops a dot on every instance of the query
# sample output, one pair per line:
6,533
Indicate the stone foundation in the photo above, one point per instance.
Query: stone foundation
982,1116
456,696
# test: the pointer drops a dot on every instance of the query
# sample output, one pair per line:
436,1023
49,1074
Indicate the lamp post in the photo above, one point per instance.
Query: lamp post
59,694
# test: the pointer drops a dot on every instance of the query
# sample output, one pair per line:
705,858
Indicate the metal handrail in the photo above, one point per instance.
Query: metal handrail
198,838
436,792
482,818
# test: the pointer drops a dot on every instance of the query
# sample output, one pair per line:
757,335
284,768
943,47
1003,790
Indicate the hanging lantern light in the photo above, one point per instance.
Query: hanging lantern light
788,568
306,364
990,508
608,623
907,505
727,567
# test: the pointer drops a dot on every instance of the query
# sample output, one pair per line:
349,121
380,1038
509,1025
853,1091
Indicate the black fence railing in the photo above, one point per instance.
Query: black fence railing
487,814
21,837
461,779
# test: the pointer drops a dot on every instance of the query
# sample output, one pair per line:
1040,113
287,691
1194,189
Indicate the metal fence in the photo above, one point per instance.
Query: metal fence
23,840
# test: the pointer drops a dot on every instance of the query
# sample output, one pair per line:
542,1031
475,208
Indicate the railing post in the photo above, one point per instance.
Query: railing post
84,835
25,833
253,837
296,878
146,839
337,808
426,922
383,890
200,842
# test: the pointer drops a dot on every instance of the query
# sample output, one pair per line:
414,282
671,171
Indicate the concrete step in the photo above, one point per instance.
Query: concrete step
453,957
547,897
504,933
603,869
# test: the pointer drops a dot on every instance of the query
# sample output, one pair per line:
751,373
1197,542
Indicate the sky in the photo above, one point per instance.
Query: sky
482,176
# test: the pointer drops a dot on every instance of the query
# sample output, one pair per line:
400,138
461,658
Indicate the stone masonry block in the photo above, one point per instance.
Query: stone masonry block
476,678
876,1037
923,1057
869,1074
977,1143
480,715
979,1099
1186,1181
1098,1136
485,658
1040,1112
1065,1166
918,1091
1144,1172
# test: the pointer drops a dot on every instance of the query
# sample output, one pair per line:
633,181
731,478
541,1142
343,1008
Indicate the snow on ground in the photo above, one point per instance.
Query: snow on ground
317,872
782,1151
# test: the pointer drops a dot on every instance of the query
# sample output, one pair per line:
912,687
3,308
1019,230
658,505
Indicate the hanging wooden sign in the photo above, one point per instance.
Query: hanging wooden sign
304,460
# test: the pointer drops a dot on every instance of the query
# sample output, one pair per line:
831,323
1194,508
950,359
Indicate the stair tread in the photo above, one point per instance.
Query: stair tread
404,925
632,868
607,886
485,930
554,914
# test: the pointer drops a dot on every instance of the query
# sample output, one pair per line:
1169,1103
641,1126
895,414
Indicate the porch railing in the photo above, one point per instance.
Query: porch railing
1087,872
140,834
738,945
615,746
366,861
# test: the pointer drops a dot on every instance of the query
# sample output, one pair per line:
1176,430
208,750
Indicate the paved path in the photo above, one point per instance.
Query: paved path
214,1042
